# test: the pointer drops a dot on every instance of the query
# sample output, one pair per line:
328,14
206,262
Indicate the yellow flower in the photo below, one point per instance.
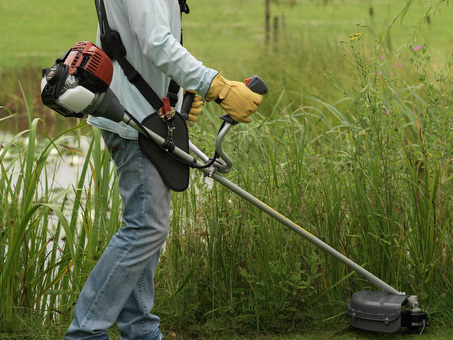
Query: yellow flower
355,36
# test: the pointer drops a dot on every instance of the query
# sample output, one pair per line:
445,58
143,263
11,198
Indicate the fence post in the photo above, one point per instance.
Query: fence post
267,28
276,29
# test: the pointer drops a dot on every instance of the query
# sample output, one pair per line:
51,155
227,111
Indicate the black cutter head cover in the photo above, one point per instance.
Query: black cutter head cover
76,83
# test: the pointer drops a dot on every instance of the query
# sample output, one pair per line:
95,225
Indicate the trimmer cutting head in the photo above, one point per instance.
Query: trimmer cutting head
385,312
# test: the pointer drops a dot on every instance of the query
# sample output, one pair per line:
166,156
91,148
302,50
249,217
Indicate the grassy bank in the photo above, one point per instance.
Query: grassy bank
222,34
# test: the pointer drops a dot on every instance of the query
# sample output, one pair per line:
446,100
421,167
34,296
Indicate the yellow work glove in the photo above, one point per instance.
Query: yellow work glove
195,109
234,97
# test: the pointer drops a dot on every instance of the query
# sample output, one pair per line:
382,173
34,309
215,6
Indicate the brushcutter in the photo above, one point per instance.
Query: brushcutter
78,85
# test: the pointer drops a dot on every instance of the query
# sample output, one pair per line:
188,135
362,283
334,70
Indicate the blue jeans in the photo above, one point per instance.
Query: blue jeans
121,286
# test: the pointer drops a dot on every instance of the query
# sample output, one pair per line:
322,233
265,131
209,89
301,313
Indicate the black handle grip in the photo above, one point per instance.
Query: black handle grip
256,84
187,104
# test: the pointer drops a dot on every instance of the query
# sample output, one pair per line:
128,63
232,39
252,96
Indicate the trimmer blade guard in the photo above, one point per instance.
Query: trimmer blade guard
382,312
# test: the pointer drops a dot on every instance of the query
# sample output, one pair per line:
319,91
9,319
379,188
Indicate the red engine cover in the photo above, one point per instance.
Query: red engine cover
91,58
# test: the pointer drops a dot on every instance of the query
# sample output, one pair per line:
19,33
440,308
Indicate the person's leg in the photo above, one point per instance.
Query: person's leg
135,320
131,257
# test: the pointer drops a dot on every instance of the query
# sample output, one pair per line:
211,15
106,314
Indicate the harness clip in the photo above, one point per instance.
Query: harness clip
166,111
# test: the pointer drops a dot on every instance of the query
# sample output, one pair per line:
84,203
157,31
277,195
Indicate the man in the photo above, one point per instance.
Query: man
121,288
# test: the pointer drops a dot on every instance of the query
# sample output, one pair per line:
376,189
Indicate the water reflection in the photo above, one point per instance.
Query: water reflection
66,157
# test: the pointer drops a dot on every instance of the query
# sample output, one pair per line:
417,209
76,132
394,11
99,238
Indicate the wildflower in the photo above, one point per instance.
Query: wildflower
355,36
416,48
382,57
387,112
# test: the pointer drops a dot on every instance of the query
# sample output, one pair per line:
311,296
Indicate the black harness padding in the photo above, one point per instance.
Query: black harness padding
174,173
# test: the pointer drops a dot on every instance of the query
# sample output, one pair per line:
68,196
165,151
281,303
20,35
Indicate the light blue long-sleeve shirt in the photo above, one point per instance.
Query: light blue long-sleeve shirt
151,32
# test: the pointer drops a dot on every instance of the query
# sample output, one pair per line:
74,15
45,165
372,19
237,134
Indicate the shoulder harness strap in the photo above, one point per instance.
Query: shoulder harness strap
114,48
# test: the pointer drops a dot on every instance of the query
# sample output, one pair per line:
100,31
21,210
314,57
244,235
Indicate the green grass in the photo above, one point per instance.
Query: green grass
228,36
222,34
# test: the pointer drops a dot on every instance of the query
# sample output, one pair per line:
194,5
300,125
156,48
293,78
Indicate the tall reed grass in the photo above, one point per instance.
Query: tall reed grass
51,237
370,174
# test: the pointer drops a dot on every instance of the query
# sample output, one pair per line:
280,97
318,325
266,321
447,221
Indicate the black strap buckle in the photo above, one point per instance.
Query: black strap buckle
173,98
133,76
184,6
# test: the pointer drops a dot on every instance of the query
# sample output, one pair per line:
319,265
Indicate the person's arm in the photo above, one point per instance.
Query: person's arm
149,21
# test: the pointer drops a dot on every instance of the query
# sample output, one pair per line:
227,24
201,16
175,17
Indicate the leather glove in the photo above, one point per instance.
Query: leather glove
195,109
234,97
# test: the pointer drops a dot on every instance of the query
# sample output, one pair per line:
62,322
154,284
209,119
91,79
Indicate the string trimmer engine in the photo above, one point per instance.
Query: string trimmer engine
76,83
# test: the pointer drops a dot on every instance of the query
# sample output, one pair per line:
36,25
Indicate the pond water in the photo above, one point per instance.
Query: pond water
62,166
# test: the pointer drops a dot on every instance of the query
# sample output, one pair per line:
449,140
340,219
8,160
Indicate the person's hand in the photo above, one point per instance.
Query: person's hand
196,108
234,97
